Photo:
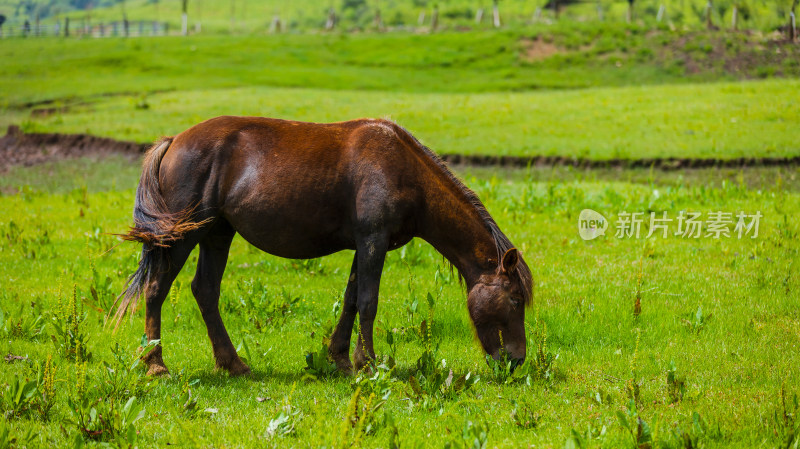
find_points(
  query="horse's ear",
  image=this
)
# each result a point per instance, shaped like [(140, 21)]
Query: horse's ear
[(510, 260)]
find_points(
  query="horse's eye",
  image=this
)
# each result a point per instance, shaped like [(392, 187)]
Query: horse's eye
[(515, 301)]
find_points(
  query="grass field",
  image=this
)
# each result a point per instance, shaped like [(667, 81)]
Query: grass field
[(475, 94), (712, 121), (712, 358), (659, 342)]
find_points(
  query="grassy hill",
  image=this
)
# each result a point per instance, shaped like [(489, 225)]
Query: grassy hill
[(567, 56), (573, 90)]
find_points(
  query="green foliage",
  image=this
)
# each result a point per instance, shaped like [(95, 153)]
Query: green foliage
[(473, 436), (262, 306), (537, 367), (379, 382), (697, 320), (27, 324), (185, 403), (698, 434), (124, 376), (786, 419), (319, 364), (362, 418), (432, 381), (24, 241), (436, 383), (36, 397), (101, 287), (13, 440), (525, 416), (284, 420), (18, 397), (676, 384), (639, 431), (68, 323), (105, 419)]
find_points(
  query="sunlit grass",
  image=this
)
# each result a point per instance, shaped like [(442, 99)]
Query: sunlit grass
[(734, 366)]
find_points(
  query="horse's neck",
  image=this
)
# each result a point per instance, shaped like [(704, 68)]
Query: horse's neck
[(456, 229)]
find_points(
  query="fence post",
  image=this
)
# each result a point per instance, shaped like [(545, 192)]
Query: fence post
[(331, 22), (66, 27), (275, 26)]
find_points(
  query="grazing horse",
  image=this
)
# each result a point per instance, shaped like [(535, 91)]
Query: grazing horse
[(306, 190)]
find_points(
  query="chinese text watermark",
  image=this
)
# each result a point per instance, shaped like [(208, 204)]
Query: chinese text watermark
[(715, 224)]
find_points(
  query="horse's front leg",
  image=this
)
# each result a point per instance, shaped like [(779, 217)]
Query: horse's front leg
[(371, 255), (339, 349)]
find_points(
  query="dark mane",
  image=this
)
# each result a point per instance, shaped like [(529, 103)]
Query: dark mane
[(503, 244)]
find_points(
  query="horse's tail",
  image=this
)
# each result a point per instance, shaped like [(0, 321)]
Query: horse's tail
[(155, 226)]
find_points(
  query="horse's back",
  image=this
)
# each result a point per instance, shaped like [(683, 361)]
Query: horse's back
[(293, 189)]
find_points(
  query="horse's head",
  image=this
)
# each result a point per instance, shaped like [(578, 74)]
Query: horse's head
[(497, 308)]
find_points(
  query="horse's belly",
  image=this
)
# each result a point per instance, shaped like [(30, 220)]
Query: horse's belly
[(293, 235)]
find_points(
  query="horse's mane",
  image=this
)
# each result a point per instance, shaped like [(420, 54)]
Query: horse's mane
[(502, 243)]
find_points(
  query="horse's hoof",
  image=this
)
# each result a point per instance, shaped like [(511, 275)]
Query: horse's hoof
[(344, 366), (237, 368), (362, 362), (157, 371)]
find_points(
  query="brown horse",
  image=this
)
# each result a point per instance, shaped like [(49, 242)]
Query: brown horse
[(306, 190)]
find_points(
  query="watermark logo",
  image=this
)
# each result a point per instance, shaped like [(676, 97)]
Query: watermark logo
[(687, 224), (591, 224)]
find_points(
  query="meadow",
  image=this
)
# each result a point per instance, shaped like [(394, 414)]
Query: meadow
[(475, 94), (691, 341), (660, 341)]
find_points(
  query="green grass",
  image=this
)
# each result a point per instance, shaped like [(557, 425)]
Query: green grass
[(590, 55), (733, 364), (471, 93), (754, 119)]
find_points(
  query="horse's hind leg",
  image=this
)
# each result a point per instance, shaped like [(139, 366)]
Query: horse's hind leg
[(170, 263), (340, 340), (206, 288)]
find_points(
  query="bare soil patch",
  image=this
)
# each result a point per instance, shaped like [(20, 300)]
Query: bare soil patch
[(538, 49), (26, 149)]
